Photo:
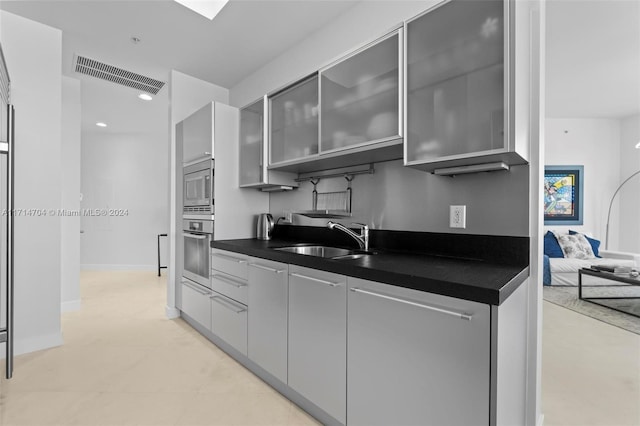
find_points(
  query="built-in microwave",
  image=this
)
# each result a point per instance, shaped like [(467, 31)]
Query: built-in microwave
[(198, 193)]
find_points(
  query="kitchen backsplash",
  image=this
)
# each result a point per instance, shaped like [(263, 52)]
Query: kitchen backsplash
[(399, 198)]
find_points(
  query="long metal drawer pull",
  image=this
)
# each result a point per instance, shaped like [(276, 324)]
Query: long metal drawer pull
[(196, 289), (194, 236), (227, 304), (266, 268), (229, 281), (409, 302), (227, 257), (318, 280)]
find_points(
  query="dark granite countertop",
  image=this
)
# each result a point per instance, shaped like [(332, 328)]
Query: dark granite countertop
[(488, 281)]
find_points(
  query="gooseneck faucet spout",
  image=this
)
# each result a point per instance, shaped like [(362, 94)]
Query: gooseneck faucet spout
[(362, 239)]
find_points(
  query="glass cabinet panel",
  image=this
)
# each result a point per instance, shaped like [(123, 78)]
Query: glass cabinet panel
[(294, 122), (252, 144), (360, 97), (455, 80)]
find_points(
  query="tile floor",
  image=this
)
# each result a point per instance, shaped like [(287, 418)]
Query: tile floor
[(124, 363), (590, 371)]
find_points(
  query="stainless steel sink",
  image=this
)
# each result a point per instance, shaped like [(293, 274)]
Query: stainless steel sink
[(335, 253), (318, 251)]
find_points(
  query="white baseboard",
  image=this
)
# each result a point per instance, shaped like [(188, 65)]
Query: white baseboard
[(32, 344), (105, 267), (171, 312), (71, 306)]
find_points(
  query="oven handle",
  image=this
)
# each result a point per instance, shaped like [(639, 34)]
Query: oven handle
[(195, 236)]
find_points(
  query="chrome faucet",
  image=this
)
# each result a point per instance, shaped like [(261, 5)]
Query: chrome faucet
[(362, 239)]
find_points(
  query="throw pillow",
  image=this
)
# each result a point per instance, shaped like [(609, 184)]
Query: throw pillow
[(575, 246), (595, 244), (551, 246)]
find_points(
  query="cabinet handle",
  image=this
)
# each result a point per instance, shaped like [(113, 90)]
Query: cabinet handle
[(227, 257), (227, 304), (409, 302), (196, 289), (266, 268), (195, 236), (229, 281), (318, 280)]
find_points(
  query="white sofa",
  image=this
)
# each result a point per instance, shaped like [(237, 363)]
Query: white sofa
[(565, 271)]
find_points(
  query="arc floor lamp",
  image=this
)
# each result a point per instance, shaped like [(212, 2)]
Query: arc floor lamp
[(606, 241)]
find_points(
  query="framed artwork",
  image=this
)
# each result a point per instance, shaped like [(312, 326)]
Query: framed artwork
[(563, 195)]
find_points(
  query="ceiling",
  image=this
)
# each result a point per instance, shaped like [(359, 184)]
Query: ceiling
[(244, 36), (593, 49)]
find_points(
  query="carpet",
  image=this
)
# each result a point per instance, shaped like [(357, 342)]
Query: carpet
[(567, 297)]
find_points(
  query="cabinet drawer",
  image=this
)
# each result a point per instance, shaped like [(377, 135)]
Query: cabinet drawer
[(229, 321), (230, 263), (195, 303), (230, 286)]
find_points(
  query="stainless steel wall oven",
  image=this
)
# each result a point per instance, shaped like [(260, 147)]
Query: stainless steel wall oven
[(197, 236)]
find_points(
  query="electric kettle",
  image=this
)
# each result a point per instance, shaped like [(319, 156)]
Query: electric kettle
[(264, 229)]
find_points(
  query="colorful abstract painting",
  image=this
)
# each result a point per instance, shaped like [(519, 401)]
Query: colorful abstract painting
[(563, 195)]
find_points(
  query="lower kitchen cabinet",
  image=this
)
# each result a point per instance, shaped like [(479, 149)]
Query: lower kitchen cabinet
[(195, 303), (416, 358), (229, 321), (318, 339), (267, 327)]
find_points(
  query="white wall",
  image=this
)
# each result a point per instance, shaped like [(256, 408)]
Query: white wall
[(186, 94), (70, 160), (33, 54), (595, 144), (129, 172), (629, 208)]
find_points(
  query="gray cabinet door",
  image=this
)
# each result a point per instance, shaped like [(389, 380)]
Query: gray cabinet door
[(229, 321), (267, 333), (195, 303), (317, 338), (416, 358), (197, 135)]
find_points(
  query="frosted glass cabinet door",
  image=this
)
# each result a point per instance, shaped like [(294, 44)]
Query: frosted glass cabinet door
[(360, 97), (293, 125), (251, 143), (455, 80)]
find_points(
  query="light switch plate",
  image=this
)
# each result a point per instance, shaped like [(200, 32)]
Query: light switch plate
[(457, 216)]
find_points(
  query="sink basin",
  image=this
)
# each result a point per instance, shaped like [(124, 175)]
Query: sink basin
[(335, 253), (319, 251)]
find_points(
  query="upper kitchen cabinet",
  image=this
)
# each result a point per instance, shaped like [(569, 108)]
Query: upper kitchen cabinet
[(459, 93), (293, 122), (360, 96), (253, 159), (359, 116), (197, 135)]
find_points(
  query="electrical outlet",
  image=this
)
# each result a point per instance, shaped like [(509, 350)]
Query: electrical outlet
[(457, 216)]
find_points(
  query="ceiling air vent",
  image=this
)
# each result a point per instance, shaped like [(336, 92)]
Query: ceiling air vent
[(117, 75)]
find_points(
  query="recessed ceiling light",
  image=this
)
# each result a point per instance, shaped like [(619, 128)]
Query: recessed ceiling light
[(638, 145), (208, 8), (145, 97), (101, 124)]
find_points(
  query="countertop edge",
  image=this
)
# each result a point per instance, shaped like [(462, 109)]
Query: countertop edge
[(429, 285)]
